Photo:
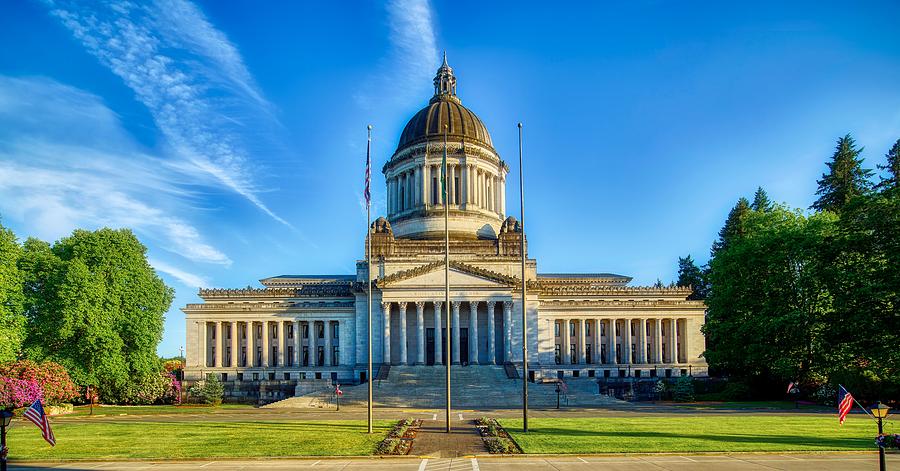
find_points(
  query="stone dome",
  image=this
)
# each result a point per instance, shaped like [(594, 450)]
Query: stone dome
[(444, 109)]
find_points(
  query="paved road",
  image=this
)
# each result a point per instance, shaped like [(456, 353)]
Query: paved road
[(735, 462)]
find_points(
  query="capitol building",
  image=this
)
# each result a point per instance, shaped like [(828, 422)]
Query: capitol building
[(302, 327)]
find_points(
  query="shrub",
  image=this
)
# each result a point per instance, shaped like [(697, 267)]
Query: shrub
[(151, 389), (208, 391), (684, 389), (16, 393), (54, 382)]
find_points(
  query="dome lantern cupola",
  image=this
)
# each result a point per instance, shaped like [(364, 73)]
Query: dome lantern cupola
[(444, 82)]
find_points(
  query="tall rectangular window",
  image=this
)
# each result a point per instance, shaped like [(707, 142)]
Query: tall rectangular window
[(572, 356), (305, 361), (306, 330), (556, 329), (556, 351), (571, 329), (587, 329), (334, 330), (435, 189), (455, 190)]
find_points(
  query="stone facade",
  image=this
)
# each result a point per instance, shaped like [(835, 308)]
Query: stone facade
[(299, 328)]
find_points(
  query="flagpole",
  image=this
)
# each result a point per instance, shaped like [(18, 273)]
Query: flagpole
[(446, 271), (524, 286), (369, 271), (857, 403)]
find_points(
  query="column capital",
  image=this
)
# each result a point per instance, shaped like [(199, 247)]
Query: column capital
[(507, 305), (386, 306), (402, 305), (438, 305), (455, 305), (491, 303), (473, 305), (420, 306)]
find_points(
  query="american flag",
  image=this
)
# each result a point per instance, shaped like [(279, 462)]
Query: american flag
[(845, 403), (368, 193), (36, 414)]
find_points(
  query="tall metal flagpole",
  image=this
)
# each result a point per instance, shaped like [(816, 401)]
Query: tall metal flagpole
[(369, 270), (524, 284), (446, 272)]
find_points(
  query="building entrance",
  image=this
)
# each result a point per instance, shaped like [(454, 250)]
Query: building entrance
[(429, 346)]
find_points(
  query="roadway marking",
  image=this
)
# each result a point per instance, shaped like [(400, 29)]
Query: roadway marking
[(317, 462), (474, 462), (423, 465), (433, 416), (582, 459), (207, 464), (460, 418)]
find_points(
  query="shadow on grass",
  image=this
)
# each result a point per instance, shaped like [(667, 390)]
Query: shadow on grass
[(650, 438)]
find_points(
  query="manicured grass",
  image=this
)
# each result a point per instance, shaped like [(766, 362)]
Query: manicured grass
[(107, 411), (707, 433), (743, 405), (195, 439)]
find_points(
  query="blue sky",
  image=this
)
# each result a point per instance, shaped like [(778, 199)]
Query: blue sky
[(230, 136)]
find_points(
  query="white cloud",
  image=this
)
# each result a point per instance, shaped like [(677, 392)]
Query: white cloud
[(188, 75), (188, 279), (66, 162), (406, 72)]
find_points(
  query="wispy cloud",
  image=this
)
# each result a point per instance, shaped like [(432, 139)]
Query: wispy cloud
[(412, 35), (409, 66), (187, 279), (188, 75), (66, 162)]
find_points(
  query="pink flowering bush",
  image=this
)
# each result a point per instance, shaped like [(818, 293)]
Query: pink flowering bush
[(51, 378), (16, 393)]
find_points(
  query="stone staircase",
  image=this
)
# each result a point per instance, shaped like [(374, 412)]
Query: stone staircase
[(472, 387)]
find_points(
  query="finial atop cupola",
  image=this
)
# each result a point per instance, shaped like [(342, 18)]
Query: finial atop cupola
[(444, 81)]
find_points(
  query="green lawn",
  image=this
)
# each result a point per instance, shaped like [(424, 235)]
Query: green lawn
[(718, 433), (155, 410), (195, 439)]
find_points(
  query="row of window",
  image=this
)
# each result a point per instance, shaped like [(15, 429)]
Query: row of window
[(587, 329), (622, 373), (319, 360), (588, 353), (271, 376), (289, 332)]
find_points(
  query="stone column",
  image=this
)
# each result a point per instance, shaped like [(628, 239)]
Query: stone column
[(298, 344), (217, 344), (507, 324), (404, 359), (564, 342), (685, 351), (451, 191), (438, 336), (642, 340), (420, 332), (626, 341), (386, 310), (265, 344), (251, 346), (676, 352), (202, 341), (426, 185), (454, 337), (657, 341), (597, 341), (326, 328), (417, 183), (611, 338), (473, 332), (492, 334), (313, 344), (582, 341), (503, 197), (280, 343), (235, 346)]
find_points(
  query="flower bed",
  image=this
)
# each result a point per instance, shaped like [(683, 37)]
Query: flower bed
[(399, 440), (888, 441), (496, 440)]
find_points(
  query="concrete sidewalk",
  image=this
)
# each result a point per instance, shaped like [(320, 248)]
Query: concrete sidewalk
[(725, 462)]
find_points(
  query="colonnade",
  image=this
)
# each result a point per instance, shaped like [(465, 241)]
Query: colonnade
[(294, 343), (623, 341), (414, 353), (469, 187)]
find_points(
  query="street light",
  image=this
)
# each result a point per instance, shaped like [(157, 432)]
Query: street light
[(880, 411), (5, 418)]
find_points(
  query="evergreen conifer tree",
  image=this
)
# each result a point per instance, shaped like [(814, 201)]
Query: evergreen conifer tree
[(689, 274), (733, 225), (892, 167), (845, 179), (761, 201)]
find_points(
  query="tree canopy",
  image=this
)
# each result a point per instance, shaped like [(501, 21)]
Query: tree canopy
[(12, 319), (96, 306), (689, 274)]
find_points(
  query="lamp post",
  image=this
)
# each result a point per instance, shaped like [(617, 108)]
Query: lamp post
[(5, 418), (880, 411)]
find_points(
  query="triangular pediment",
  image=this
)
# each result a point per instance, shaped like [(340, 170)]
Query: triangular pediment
[(432, 274)]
